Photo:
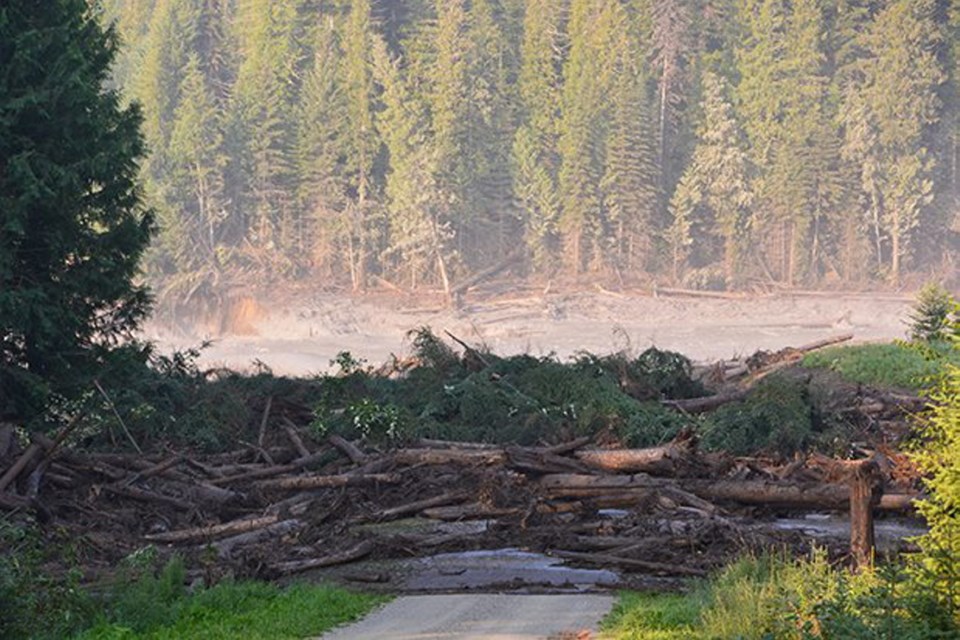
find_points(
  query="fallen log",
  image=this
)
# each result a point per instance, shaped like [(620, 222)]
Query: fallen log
[(467, 512), (708, 403), (605, 559), (26, 458), (214, 531), (349, 449), (295, 439), (226, 546), (419, 505), (449, 456), (297, 566), (764, 493), (668, 459), (148, 496), (322, 482), (267, 472)]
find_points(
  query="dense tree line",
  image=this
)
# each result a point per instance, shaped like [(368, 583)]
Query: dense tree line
[(709, 142)]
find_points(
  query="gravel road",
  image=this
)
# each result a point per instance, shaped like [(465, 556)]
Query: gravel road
[(481, 616)]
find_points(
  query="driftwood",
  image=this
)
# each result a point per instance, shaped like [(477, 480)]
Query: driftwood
[(468, 512), (348, 449), (618, 561), (276, 470), (319, 482), (226, 546), (297, 566), (664, 460), (214, 531), (419, 505), (295, 439), (449, 456)]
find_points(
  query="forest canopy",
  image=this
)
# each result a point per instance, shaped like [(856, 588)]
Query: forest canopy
[(711, 143)]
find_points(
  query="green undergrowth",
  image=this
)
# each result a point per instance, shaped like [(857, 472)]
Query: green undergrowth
[(473, 396), (776, 598), (900, 364), (150, 600)]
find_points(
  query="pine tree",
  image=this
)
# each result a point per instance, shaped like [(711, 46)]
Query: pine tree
[(74, 227), (630, 183), (887, 112), (581, 132), (535, 159), (195, 208), (321, 133), (417, 234), (257, 137), (718, 177), (491, 117), (363, 139), (672, 47)]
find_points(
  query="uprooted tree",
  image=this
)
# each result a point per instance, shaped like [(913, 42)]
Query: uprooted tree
[(72, 225)]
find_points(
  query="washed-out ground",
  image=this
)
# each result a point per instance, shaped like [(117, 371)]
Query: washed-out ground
[(300, 334)]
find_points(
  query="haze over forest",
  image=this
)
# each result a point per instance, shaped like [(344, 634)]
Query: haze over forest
[(708, 143)]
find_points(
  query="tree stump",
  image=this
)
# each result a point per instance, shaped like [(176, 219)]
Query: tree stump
[(865, 493)]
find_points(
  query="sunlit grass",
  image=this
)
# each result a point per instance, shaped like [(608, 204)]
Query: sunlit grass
[(652, 616), (248, 610), (896, 364)]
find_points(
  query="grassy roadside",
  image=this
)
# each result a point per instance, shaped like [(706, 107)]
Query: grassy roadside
[(777, 598), (249, 610)]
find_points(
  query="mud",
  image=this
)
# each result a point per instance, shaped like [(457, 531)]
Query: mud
[(300, 335)]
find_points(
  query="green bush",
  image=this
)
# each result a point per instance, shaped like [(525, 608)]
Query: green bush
[(35, 602), (935, 315), (776, 416), (938, 455)]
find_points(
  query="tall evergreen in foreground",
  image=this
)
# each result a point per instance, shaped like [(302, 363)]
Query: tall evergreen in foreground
[(72, 228)]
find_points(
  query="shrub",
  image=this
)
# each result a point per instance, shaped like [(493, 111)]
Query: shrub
[(776, 416), (938, 456), (935, 314)]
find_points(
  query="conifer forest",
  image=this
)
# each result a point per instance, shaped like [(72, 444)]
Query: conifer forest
[(706, 143)]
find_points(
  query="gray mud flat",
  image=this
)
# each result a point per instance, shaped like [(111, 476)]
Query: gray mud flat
[(476, 616)]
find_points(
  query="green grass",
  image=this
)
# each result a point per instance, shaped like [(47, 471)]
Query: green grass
[(652, 616), (249, 610), (897, 364)]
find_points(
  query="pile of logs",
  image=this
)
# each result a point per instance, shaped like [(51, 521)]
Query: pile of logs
[(303, 503)]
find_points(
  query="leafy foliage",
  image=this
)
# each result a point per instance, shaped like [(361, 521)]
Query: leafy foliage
[(939, 457)]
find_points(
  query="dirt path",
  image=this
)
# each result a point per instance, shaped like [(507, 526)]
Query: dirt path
[(488, 616)]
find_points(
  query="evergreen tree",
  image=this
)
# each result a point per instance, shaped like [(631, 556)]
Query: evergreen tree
[(72, 227), (363, 140), (535, 160), (718, 177), (887, 112), (257, 137), (672, 47), (630, 183), (581, 132), (195, 208)]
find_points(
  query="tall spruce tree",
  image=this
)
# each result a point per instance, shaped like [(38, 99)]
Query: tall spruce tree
[(718, 179), (535, 159), (888, 109), (72, 227)]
